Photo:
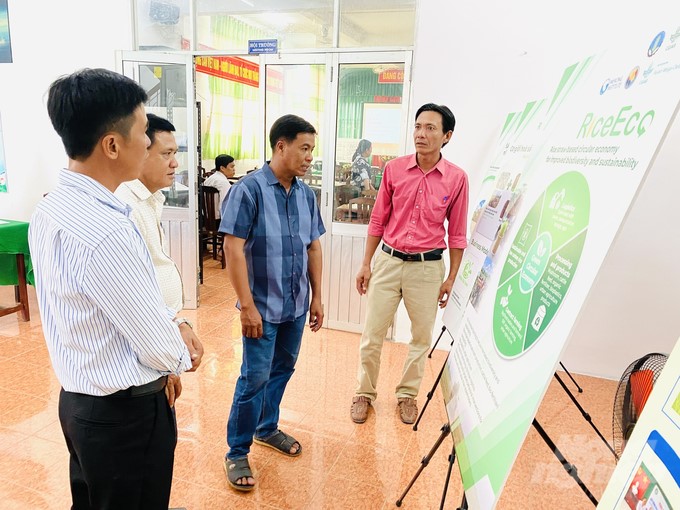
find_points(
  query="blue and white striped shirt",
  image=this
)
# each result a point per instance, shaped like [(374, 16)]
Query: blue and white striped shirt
[(103, 315), (278, 228)]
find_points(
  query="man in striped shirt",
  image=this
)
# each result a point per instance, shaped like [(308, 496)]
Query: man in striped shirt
[(272, 227), (111, 339), (418, 194)]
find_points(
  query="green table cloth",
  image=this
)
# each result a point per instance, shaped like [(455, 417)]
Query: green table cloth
[(13, 240)]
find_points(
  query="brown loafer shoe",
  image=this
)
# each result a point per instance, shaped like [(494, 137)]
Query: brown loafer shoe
[(359, 411), (408, 410)]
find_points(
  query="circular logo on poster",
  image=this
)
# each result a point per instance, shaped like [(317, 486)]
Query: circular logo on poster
[(656, 43), (632, 76)]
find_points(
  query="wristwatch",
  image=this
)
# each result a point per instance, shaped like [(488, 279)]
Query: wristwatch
[(181, 320)]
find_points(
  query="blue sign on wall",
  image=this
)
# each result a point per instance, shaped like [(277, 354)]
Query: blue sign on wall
[(257, 46)]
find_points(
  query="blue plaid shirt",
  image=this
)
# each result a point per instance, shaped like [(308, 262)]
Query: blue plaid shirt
[(278, 228)]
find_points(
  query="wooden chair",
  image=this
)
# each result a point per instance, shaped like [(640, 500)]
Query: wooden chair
[(343, 195), (209, 224), (370, 193), (360, 209)]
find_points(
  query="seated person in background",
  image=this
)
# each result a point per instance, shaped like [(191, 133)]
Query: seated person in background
[(224, 168), (361, 168)]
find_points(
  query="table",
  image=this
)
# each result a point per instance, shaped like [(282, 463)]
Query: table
[(15, 264)]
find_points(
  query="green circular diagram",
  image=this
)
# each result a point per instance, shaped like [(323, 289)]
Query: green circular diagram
[(541, 264)]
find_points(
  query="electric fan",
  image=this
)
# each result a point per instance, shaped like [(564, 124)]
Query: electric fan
[(631, 396)]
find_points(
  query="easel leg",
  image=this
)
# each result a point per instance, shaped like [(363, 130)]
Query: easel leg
[(463, 504), (446, 430), (585, 415), (435, 344), (580, 390), (452, 459), (430, 393), (569, 468)]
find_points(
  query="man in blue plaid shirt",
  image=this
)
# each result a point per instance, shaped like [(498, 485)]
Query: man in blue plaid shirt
[(272, 227)]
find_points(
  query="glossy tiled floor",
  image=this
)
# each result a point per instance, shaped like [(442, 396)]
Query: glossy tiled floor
[(343, 465)]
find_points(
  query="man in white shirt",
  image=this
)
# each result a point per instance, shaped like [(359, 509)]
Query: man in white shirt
[(224, 168), (145, 197)]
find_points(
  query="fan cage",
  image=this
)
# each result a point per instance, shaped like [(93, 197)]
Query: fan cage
[(631, 395)]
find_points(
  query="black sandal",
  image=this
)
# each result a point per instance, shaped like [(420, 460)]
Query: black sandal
[(281, 442), (237, 469)]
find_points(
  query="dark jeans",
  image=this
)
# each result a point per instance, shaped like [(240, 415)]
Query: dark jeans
[(122, 450), (267, 366)]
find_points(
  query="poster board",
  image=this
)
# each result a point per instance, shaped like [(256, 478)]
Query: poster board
[(560, 183)]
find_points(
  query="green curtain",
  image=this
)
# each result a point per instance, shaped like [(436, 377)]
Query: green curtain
[(234, 106)]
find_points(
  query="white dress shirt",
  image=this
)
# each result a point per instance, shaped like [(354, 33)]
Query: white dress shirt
[(146, 215), (218, 180), (103, 315)]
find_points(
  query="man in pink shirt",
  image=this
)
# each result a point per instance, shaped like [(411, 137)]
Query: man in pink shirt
[(418, 193)]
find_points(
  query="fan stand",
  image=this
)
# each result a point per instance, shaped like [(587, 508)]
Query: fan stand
[(446, 430)]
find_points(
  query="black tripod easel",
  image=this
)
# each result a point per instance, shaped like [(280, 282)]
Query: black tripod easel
[(446, 429), (430, 393), (583, 412)]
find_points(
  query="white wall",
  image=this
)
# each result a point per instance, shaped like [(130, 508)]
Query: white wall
[(49, 39), (485, 59)]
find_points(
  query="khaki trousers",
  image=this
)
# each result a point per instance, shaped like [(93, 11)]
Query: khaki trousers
[(392, 280)]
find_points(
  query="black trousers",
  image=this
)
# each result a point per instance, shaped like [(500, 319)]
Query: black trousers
[(122, 450)]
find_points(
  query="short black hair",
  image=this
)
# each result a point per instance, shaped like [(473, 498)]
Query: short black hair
[(448, 120), (157, 124), (222, 160), (288, 127), (83, 106)]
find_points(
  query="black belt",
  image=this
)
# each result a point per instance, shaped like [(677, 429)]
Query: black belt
[(144, 389), (414, 257)]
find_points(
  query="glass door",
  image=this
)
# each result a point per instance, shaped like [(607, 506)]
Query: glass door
[(168, 79), (298, 84), (370, 127)]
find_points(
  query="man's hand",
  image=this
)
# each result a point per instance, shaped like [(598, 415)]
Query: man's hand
[(445, 292), (173, 389), (193, 344), (315, 315), (251, 322), (363, 276)]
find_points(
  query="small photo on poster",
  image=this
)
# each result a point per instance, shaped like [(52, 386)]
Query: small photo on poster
[(655, 479), (644, 492)]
